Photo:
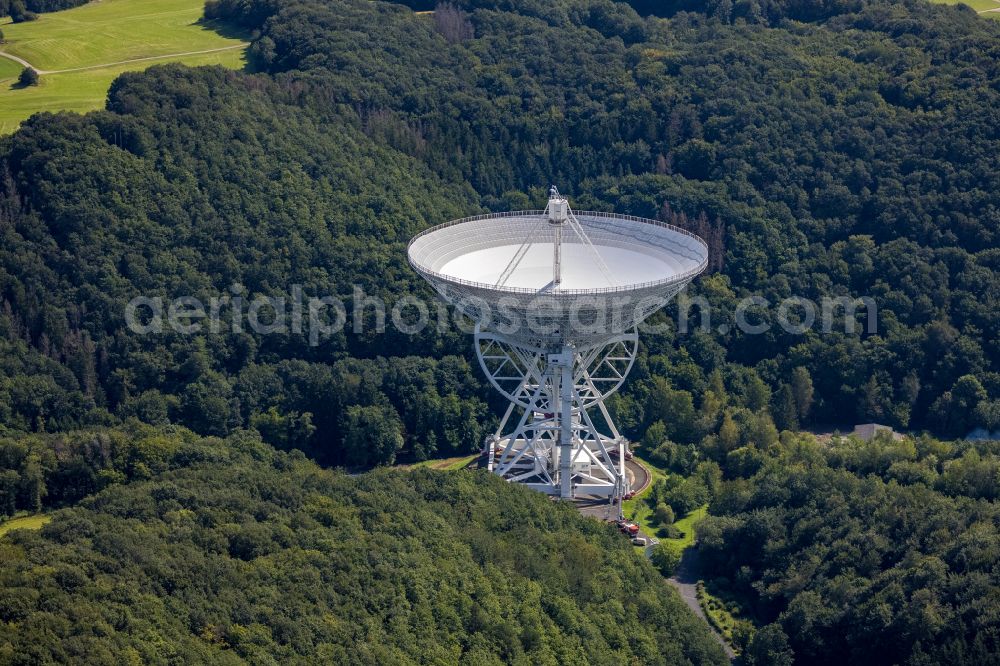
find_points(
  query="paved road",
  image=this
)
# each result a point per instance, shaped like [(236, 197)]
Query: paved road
[(686, 579), (685, 582), (638, 478)]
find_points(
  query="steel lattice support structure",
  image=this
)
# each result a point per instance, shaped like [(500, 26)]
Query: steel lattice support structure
[(555, 393)]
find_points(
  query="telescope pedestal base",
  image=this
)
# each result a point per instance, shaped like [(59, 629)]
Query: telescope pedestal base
[(555, 396)]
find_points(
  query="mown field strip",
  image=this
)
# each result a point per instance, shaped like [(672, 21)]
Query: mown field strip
[(85, 90), (113, 31), (80, 51)]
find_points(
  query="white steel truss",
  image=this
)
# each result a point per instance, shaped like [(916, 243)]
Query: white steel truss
[(556, 220), (555, 446)]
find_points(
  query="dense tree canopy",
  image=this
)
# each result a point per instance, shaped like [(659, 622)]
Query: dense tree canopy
[(852, 155), (341, 191), (864, 553), (824, 149), (237, 553), (17, 9)]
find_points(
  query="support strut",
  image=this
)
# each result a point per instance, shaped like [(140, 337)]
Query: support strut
[(548, 438)]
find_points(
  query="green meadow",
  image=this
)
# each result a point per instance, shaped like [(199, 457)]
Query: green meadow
[(8, 69), (80, 51), (987, 8), (27, 522)]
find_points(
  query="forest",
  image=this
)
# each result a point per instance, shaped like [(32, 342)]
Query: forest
[(844, 551), (27, 10), (834, 149), (851, 157), (236, 553)]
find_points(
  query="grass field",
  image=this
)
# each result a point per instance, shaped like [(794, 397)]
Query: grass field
[(32, 522), (82, 91), (636, 508), (981, 6), (111, 31), (8, 69), (99, 36), (446, 464), (686, 527)]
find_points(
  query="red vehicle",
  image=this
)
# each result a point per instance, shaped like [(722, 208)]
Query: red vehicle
[(628, 527)]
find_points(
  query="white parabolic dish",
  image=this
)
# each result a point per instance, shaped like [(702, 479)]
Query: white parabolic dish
[(498, 270)]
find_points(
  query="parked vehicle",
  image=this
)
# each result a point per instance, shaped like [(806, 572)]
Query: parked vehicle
[(627, 527)]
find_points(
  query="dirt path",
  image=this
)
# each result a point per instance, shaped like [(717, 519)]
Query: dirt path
[(25, 63), (20, 61)]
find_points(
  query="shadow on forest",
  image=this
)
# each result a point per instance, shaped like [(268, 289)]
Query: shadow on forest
[(227, 30)]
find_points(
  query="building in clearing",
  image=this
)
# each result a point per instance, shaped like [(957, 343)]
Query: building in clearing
[(866, 431)]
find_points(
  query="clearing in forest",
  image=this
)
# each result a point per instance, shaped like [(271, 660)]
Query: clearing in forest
[(99, 41)]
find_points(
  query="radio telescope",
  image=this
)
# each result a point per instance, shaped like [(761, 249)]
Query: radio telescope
[(556, 296)]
